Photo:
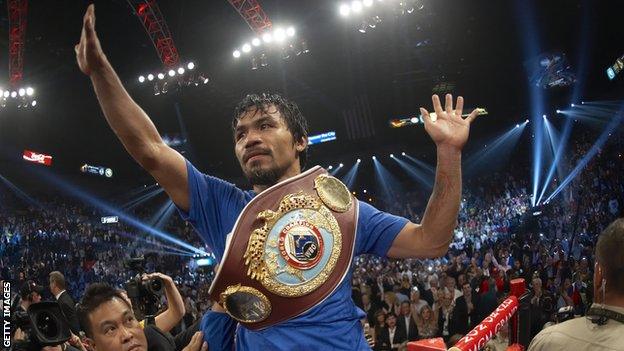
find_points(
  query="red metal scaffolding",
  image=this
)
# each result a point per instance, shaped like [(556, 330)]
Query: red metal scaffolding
[(17, 34), (156, 27), (253, 14)]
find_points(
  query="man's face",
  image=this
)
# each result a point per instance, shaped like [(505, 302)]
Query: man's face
[(466, 289), (391, 321), (405, 309), (114, 328), (265, 147), (36, 298)]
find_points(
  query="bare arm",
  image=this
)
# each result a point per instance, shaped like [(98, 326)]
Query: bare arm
[(432, 236), (129, 122)]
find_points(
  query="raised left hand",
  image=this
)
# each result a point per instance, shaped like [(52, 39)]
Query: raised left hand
[(448, 128)]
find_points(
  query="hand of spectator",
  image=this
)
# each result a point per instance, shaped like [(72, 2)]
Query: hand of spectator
[(76, 342), (197, 343)]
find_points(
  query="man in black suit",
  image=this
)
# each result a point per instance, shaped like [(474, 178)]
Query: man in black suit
[(57, 287), (465, 311), (407, 322), (392, 337)]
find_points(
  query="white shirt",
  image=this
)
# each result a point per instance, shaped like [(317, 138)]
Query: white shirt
[(391, 332), (407, 324), (58, 295)]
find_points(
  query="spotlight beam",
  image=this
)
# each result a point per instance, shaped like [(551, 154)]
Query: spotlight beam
[(157, 243), (20, 192), (501, 145), (424, 179), (567, 129), (141, 199), (98, 203), (420, 163), (602, 139), (386, 181), (349, 178)]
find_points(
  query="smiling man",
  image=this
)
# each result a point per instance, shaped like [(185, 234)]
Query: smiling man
[(288, 287)]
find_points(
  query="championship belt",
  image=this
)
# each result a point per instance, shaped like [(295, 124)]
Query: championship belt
[(290, 248)]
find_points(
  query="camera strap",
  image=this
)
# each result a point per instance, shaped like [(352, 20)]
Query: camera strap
[(600, 315)]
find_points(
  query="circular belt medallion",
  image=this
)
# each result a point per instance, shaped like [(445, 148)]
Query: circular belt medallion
[(296, 249), (333, 193), (245, 304), (301, 244)]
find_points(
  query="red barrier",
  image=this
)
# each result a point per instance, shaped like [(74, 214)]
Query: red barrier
[(479, 336)]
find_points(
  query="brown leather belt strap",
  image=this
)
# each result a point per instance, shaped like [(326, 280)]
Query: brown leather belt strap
[(256, 279)]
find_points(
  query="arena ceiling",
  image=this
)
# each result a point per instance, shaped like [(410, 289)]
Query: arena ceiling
[(476, 46)]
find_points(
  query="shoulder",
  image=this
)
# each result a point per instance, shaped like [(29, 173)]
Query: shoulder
[(559, 336)]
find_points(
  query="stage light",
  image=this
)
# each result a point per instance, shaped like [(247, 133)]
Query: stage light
[(171, 73), (358, 160), (374, 158), (246, 47), (414, 120), (391, 155), (526, 121), (517, 126), (572, 105), (330, 167), (150, 77), (368, 3), (161, 76), (543, 116), (363, 27), (22, 92), (345, 10), (364, 191), (356, 6), (190, 65), (267, 38), (181, 70), (402, 153), (255, 42), (6, 93), (558, 111), (290, 31), (340, 165), (141, 79), (34, 103), (236, 54), (30, 91), (14, 94), (279, 34)]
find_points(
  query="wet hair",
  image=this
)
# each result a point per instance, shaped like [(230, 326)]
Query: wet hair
[(95, 295), (296, 123), (609, 255)]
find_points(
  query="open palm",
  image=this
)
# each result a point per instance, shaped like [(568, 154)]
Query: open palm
[(448, 127)]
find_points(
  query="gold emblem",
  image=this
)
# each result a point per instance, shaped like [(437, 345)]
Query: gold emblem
[(245, 304), (333, 193), (278, 261)]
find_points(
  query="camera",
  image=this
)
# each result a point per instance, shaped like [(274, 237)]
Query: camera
[(144, 294), (43, 325), (564, 314)]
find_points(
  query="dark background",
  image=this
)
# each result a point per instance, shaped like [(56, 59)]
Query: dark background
[(479, 46)]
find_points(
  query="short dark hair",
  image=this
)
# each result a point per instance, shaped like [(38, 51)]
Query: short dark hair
[(58, 278), (95, 295), (295, 121), (609, 255)]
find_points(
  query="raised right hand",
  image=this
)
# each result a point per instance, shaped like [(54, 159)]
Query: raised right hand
[(89, 53)]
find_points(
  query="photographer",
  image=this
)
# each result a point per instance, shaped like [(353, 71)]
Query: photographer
[(109, 324), (168, 319), (603, 327)]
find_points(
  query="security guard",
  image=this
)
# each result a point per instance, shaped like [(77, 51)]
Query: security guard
[(603, 327)]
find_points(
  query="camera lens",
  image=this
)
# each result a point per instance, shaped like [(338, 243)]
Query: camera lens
[(154, 286), (46, 324)]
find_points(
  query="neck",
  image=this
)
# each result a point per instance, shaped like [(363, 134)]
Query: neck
[(290, 172)]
